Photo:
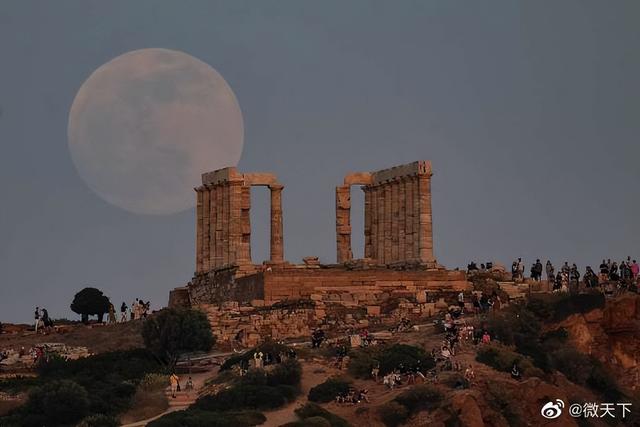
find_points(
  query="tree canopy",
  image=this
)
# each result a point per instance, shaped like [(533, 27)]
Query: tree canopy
[(90, 301), (174, 331)]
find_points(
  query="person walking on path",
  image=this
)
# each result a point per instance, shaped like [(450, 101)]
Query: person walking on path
[(173, 381)]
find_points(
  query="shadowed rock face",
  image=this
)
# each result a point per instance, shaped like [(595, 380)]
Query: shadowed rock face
[(612, 335)]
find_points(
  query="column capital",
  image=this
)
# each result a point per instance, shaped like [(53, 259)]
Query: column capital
[(275, 187)]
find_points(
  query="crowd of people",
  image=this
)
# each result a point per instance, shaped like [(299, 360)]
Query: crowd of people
[(611, 277)]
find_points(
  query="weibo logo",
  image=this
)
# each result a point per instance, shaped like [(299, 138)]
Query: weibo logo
[(552, 410)]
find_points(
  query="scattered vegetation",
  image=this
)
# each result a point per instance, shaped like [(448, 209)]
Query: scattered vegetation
[(68, 391), (419, 398)]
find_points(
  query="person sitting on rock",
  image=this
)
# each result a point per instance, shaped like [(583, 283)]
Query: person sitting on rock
[(486, 338), (469, 375)]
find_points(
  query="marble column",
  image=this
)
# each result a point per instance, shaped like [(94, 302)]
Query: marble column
[(218, 258), (416, 218), (368, 222), (198, 230), (225, 224), (408, 220), (343, 223), (387, 223), (426, 236), (380, 234), (394, 221), (373, 206), (246, 224), (212, 227), (206, 224), (235, 221), (277, 250)]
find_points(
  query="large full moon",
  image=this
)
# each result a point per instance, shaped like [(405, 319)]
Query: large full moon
[(146, 124)]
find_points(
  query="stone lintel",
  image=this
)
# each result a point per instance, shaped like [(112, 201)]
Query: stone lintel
[(421, 167)]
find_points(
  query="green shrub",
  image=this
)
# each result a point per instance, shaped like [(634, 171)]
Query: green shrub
[(420, 397), (60, 402), (328, 390), (99, 420), (389, 358), (393, 414), (258, 389), (198, 418), (242, 397), (361, 362), (501, 358), (289, 372), (174, 331), (312, 410)]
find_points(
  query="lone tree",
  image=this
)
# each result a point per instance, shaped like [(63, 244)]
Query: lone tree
[(88, 302), (173, 331)]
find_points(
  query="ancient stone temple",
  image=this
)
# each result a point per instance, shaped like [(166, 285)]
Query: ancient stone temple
[(398, 277)]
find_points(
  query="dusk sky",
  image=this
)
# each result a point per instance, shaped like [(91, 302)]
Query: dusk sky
[(529, 112)]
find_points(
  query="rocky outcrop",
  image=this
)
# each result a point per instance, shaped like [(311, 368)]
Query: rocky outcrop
[(612, 335)]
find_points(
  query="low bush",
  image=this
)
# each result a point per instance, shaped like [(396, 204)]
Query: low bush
[(393, 414), (328, 390), (419, 398), (389, 359), (198, 418), (99, 420), (312, 410), (240, 397), (502, 358), (60, 402), (259, 389)]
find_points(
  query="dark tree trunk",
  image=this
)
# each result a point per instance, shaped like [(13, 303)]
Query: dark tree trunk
[(85, 318)]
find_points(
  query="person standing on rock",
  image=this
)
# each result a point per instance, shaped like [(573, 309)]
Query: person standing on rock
[(123, 312), (112, 314), (635, 270), (37, 318), (550, 272)]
